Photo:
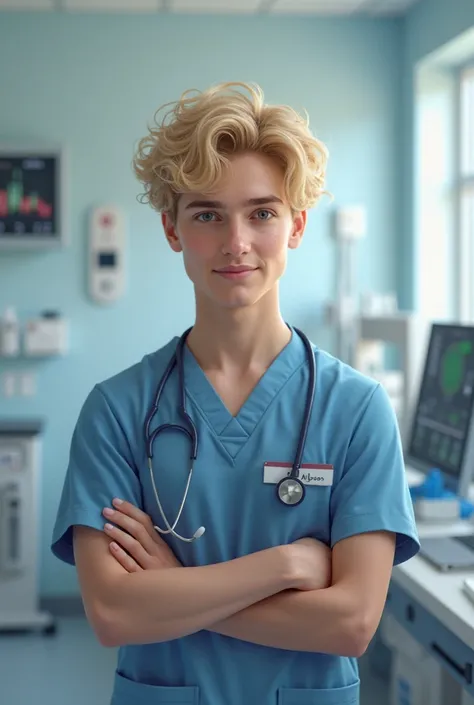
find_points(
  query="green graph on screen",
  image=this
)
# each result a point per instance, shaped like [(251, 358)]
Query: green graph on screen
[(452, 366)]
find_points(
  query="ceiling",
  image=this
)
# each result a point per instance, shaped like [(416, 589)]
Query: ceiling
[(380, 8)]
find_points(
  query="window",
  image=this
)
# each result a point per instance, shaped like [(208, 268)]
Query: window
[(466, 194), (444, 185), (467, 123), (436, 238)]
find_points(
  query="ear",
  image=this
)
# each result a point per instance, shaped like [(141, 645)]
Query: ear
[(169, 227), (299, 224)]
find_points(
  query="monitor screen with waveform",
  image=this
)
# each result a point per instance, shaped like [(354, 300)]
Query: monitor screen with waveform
[(443, 416), (28, 193)]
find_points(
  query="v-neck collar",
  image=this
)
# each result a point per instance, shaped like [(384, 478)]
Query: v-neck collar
[(226, 426)]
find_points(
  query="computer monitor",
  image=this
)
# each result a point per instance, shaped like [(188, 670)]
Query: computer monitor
[(442, 431), (32, 197)]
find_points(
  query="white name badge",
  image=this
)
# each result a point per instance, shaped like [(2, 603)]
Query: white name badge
[(317, 475)]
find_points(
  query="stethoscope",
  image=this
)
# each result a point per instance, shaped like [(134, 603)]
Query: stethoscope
[(290, 490)]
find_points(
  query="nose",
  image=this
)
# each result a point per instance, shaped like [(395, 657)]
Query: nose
[(236, 239)]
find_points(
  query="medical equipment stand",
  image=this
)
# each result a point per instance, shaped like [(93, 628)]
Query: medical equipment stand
[(349, 228), (19, 528), (409, 333)]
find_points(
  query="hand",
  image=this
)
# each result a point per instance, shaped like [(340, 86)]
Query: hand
[(138, 546), (312, 564)]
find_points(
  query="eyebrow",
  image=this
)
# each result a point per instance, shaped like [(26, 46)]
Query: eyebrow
[(251, 202)]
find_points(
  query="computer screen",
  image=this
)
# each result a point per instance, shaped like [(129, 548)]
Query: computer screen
[(442, 419), (30, 196)]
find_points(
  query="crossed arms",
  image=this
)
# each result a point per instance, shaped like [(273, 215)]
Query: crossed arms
[(300, 597)]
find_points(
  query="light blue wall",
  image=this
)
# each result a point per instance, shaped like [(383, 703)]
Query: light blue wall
[(429, 25), (92, 83)]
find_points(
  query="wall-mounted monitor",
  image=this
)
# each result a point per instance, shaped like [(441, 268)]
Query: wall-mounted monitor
[(32, 197)]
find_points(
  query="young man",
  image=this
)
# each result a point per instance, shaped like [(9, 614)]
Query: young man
[(284, 589)]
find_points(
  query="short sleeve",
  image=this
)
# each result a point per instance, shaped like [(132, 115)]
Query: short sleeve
[(100, 468), (372, 494)]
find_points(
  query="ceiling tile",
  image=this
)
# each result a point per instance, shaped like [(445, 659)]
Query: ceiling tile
[(311, 7), (226, 6), (317, 7), (27, 5), (112, 5)]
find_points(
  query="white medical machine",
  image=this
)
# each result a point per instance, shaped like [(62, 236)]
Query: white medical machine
[(20, 455), (363, 329), (408, 334), (107, 248)]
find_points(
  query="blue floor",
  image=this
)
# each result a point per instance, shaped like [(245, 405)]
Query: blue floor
[(71, 668)]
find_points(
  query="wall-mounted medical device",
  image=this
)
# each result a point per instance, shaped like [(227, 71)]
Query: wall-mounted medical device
[(46, 334), (107, 243), (32, 197)]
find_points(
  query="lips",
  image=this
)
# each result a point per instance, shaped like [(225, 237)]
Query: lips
[(235, 270)]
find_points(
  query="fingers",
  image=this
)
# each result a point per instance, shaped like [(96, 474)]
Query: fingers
[(134, 512), (126, 561), (133, 548), (135, 527)]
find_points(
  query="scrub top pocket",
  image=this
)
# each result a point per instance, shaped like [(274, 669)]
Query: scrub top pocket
[(309, 696), (128, 692)]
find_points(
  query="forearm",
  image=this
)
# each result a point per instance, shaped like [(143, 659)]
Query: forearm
[(160, 605), (324, 621)]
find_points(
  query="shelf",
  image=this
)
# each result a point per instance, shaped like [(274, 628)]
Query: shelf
[(29, 358)]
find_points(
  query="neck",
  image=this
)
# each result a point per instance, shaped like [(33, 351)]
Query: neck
[(238, 340)]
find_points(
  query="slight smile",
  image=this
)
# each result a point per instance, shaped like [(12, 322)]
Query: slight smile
[(235, 273)]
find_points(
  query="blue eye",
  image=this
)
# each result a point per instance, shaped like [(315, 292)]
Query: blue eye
[(267, 215), (203, 217)]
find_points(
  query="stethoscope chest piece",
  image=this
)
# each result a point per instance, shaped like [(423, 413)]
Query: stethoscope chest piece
[(290, 491)]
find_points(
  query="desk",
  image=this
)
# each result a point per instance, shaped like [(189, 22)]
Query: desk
[(433, 608)]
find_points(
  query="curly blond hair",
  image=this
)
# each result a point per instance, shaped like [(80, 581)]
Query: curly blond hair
[(188, 149)]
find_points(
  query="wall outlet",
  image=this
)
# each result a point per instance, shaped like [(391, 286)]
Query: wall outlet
[(9, 384)]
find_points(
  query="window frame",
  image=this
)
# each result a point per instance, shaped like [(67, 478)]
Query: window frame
[(464, 187)]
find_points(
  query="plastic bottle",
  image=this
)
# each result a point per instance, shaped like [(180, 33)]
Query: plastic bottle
[(10, 333)]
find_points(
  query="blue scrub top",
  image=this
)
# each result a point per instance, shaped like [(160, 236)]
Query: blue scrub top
[(352, 427)]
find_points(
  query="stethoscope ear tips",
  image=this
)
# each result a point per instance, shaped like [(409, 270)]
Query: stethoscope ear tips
[(199, 532)]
